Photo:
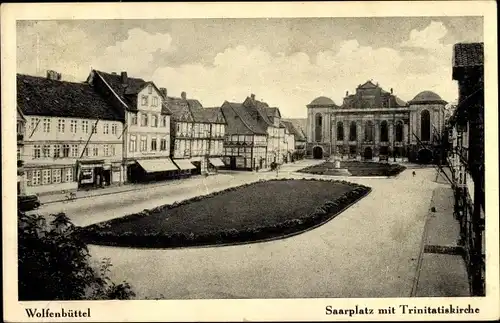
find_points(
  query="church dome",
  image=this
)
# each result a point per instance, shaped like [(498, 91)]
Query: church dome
[(322, 100), (427, 97)]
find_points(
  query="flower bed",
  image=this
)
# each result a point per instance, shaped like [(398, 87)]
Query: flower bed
[(357, 168), (251, 212)]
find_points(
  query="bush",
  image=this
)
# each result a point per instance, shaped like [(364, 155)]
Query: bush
[(54, 263)]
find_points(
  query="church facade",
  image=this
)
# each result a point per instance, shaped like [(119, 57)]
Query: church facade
[(374, 124)]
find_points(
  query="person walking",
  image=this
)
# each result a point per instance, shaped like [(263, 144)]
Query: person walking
[(413, 173)]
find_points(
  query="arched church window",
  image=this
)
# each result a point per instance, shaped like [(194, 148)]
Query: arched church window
[(318, 121), (425, 126), (369, 131), (384, 132), (399, 131), (340, 131), (353, 133)]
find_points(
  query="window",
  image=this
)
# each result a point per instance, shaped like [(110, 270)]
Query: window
[(65, 150), (60, 125), (113, 150), (74, 150), (85, 126), (384, 132), (56, 175), (34, 123), (46, 125), (105, 129), (425, 126), (72, 126), (36, 151), (144, 120), (150, 89), (154, 120), (353, 133), (133, 144), (163, 144), (106, 150), (153, 144), (113, 129), (155, 101), (86, 152), (163, 121), (133, 120), (178, 127), (18, 153), (369, 131), (68, 174), (36, 178), (94, 128), (144, 100), (57, 151), (318, 129), (144, 143), (95, 151), (399, 131), (46, 176)]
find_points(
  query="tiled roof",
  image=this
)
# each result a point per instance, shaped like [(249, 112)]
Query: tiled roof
[(211, 113), (257, 108), (468, 54), (239, 121), (127, 94), (294, 131), (300, 125), (175, 106), (45, 97)]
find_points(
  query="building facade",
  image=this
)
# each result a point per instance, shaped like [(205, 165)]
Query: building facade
[(373, 124), (146, 132), (72, 136), (197, 135), (21, 175), (466, 158)]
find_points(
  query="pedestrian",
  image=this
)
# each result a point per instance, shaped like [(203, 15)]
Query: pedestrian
[(413, 173)]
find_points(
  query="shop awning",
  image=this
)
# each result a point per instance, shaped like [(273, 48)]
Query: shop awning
[(184, 164), (217, 162), (157, 165)]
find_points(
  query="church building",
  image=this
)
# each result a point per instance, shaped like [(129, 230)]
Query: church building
[(374, 124)]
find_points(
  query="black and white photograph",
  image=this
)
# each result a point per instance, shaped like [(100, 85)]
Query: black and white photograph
[(328, 158)]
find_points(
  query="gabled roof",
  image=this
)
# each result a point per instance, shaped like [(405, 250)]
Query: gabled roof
[(468, 54), (239, 121), (211, 114), (294, 131), (299, 125), (45, 97), (258, 108), (367, 85), (127, 92)]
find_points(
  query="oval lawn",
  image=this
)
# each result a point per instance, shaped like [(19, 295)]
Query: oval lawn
[(252, 212)]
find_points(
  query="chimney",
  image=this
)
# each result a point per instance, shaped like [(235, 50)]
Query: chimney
[(252, 96), (53, 75), (346, 93), (183, 95), (163, 92), (124, 78), (391, 90)]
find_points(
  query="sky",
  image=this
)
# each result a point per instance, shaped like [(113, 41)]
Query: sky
[(285, 62)]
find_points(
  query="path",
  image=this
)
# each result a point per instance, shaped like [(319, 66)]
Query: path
[(370, 250)]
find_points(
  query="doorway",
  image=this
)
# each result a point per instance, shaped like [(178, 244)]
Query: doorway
[(317, 152), (424, 156), (368, 155)]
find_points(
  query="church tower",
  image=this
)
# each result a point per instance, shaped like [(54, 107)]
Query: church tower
[(319, 128)]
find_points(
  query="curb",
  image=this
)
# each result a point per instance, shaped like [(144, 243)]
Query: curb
[(111, 193), (235, 244)]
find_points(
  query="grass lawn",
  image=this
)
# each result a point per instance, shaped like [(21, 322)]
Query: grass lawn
[(357, 168), (251, 208)]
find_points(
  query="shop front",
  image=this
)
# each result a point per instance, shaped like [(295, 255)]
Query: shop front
[(151, 170), (93, 174), (185, 167), (214, 163)]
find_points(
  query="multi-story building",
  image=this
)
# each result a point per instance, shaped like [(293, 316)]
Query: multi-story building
[(72, 137), (374, 124), (21, 176), (246, 139), (467, 157), (297, 126), (270, 117), (146, 132), (197, 135), (290, 134)]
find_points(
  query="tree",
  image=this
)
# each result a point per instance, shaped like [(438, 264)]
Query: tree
[(54, 263)]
